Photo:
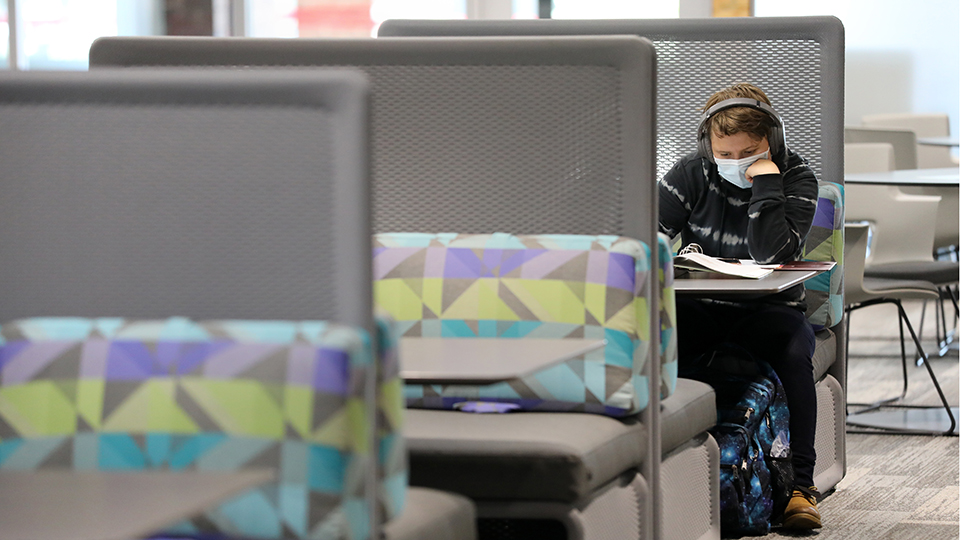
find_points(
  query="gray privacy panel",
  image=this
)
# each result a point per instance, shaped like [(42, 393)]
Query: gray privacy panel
[(481, 149), (518, 135), (202, 197), (789, 71), (798, 61)]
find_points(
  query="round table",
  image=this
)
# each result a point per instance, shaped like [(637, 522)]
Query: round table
[(939, 141)]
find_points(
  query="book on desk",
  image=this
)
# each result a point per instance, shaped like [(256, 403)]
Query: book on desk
[(734, 268)]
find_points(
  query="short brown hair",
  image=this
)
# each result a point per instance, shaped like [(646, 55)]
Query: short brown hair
[(739, 119)]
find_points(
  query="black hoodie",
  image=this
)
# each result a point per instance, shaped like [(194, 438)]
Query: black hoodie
[(767, 223)]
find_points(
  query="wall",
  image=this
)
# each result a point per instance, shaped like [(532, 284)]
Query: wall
[(902, 56)]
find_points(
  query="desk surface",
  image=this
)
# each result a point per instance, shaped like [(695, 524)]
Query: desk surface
[(908, 177), (71, 505), (484, 360), (939, 141), (713, 285)]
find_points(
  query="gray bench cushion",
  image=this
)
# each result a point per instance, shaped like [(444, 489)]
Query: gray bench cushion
[(520, 456), (543, 456), (825, 354), (434, 515), (688, 412)]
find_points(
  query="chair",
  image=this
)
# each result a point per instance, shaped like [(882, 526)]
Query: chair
[(902, 243), (171, 274), (878, 157), (923, 125), (500, 135), (904, 142), (812, 106), (867, 157), (946, 235), (862, 292)]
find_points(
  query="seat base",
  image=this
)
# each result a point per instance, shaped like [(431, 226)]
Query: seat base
[(618, 510), (691, 505), (830, 442), (430, 514), (559, 457), (690, 481)]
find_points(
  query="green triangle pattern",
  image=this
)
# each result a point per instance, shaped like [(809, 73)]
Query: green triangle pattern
[(157, 394), (515, 286)]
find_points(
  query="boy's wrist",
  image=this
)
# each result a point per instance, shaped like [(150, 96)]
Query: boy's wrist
[(761, 167)]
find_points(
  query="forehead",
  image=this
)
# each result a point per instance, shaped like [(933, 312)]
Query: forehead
[(734, 143)]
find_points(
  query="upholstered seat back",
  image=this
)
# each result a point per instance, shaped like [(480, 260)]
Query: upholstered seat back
[(203, 195), (824, 293), (668, 319), (535, 286), (177, 395)]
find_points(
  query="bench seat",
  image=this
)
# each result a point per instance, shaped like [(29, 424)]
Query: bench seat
[(560, 457)]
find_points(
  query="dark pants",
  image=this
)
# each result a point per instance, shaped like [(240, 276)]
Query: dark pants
[(779, 335)]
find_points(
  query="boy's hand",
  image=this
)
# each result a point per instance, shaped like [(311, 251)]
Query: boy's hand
[(761, 167)]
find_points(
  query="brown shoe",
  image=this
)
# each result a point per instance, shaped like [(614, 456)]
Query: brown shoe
[(801, 511)]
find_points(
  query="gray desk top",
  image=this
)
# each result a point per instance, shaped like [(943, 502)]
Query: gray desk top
[(71, 505), (908, 177), (713, 285), (484, 360)]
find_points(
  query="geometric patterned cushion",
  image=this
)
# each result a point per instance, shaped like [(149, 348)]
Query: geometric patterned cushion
[(525, 286), (824, 242), (392, 465), (668, 318), (115, 395)]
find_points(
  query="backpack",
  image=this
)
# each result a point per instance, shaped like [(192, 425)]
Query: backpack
[(753, 433)]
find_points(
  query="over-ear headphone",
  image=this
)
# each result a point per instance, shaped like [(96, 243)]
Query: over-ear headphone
[(778, 146)]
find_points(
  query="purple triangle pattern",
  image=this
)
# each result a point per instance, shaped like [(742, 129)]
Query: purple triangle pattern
[(621, 272), (8, 352), (462, 263), (491, 262), (516, 259)]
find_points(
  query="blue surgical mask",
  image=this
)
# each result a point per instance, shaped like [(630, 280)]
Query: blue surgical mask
[(735, 170)]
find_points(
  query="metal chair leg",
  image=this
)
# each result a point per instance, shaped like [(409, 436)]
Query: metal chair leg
[(903, 356), (903, 319)]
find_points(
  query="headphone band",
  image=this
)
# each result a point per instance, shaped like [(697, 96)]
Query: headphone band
[(776, 138), (742, 102)]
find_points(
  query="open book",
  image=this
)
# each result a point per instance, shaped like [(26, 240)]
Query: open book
[(706, 263)]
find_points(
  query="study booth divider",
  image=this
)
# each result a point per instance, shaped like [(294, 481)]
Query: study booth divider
[(170, 301), (799, 62), (510, 136)]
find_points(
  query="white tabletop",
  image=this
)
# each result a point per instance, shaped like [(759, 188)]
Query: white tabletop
[(484, 360), (70, 505), (908, 177), (939, 141), (714, 285)]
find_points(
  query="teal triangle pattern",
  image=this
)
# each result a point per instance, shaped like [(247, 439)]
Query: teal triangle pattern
[(172, 401)]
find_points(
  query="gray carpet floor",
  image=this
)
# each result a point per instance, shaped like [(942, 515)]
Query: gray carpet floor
[(896, 486)]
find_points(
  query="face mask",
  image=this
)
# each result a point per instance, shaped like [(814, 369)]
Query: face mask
[(735, 170)]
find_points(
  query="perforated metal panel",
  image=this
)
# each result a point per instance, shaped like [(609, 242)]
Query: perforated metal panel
[(689, 511), (798, 61), (479, 135), (181, 200), (788, 70), (829, 443), (482, 149), (617, 512)]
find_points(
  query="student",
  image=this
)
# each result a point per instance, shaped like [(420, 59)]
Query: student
[(745, 195)]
